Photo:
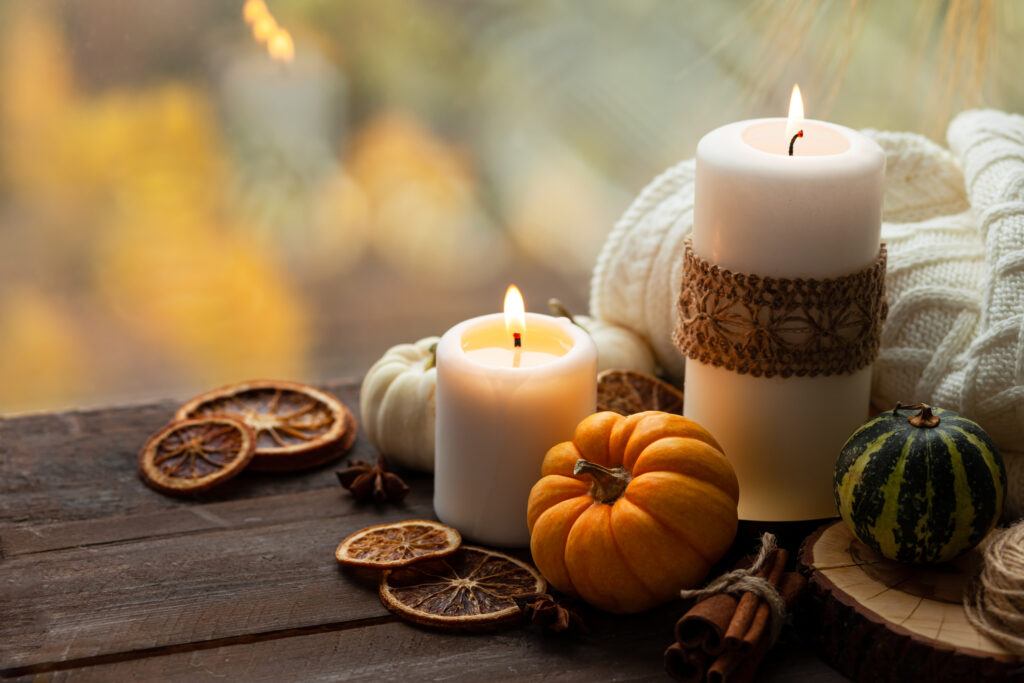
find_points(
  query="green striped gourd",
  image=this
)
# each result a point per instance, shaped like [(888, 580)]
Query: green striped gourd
[(920, 484)]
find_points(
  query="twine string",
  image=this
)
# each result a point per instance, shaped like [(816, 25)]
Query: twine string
[(772, 326), (739, 581), (994, 599)]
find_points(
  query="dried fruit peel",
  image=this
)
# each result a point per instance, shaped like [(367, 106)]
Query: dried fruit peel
[(473, 588), (297, 426), (193, 455), (397, 544), (627, 392)]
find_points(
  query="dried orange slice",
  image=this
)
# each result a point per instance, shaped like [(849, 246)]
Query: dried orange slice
[(191, 456), (386, 546), (471, 588), (627, 392), (296, 426)]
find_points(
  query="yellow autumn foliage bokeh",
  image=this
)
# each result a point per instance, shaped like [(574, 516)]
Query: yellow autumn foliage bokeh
[(142, 174), (426, 216), (39, 358)]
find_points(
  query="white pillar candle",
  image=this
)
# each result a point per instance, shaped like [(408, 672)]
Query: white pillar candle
[(816, 214), (499, 409)]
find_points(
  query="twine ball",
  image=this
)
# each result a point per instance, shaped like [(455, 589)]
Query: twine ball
[(994, 602)]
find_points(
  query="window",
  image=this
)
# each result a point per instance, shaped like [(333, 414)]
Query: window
[(182, 205)]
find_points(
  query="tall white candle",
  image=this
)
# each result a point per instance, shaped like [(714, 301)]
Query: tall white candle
[(499, 409), (816, 214)]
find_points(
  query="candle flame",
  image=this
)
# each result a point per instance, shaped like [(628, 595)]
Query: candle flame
[(515, 312), (281, 47), (265, 30), (795, 120)]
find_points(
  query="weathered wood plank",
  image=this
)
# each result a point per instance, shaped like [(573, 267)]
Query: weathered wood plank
[(396, 651), (623, 649), (190, 586), (80, 465), (247, 513)]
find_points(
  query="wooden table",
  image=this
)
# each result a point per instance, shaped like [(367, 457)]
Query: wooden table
[(102, 579)]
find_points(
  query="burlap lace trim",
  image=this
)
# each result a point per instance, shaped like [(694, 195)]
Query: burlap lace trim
[(769, 327)]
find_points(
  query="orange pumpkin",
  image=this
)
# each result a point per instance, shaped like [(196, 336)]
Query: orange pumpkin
[(632, 510)]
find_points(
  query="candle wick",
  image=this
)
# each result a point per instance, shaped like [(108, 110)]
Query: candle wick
[(517, 353), (799, 134)]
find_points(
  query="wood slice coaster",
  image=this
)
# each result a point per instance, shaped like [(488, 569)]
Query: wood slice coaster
[(874, 619)]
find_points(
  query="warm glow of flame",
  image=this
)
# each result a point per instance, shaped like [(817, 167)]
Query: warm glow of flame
[(795, 120), (281, 46), (253, 10), (515, 312), (265, 29)]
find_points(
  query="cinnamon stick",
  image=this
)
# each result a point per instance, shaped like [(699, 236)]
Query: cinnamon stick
[(753, 613), (722, 638), (739, 665), (703, 626), (686, 664), (747, 607)]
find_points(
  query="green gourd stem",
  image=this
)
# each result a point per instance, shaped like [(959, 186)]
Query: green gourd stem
[(608, 483), (925, 419), (433, 357)]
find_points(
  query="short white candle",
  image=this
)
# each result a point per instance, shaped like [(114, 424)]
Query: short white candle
[(499, 409), (816, 214)]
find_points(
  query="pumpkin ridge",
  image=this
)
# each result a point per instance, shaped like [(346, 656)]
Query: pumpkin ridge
[(690, 479), (942, 512), (592, 556), (923, 529), (850, 476), (682, 558), (984, 491), (654, 426), (625, 560), (996, 467), (878, 428), (962, 491), (886, 524), (918, 512), (706, 471), (568, 525), (563, 490), (673, 532), (867, 500)]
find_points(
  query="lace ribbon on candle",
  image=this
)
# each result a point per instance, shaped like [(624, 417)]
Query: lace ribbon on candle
[(778, 327)]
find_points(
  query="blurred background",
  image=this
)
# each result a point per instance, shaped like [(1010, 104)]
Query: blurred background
[(194, 192)]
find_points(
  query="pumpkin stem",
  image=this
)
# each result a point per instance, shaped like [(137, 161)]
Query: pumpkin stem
[(608, 483), (559, 310), (925, 419), (433, 357)]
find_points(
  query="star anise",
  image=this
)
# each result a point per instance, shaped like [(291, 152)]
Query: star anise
[(373, 482), (544, 611)]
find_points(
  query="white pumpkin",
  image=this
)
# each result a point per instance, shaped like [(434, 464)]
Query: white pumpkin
[(397, 404), (618, 348)]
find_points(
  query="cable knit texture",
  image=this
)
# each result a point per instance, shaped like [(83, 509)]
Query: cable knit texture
[(954, 226)]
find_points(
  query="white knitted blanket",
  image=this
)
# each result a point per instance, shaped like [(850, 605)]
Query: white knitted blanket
[(954, 225)]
